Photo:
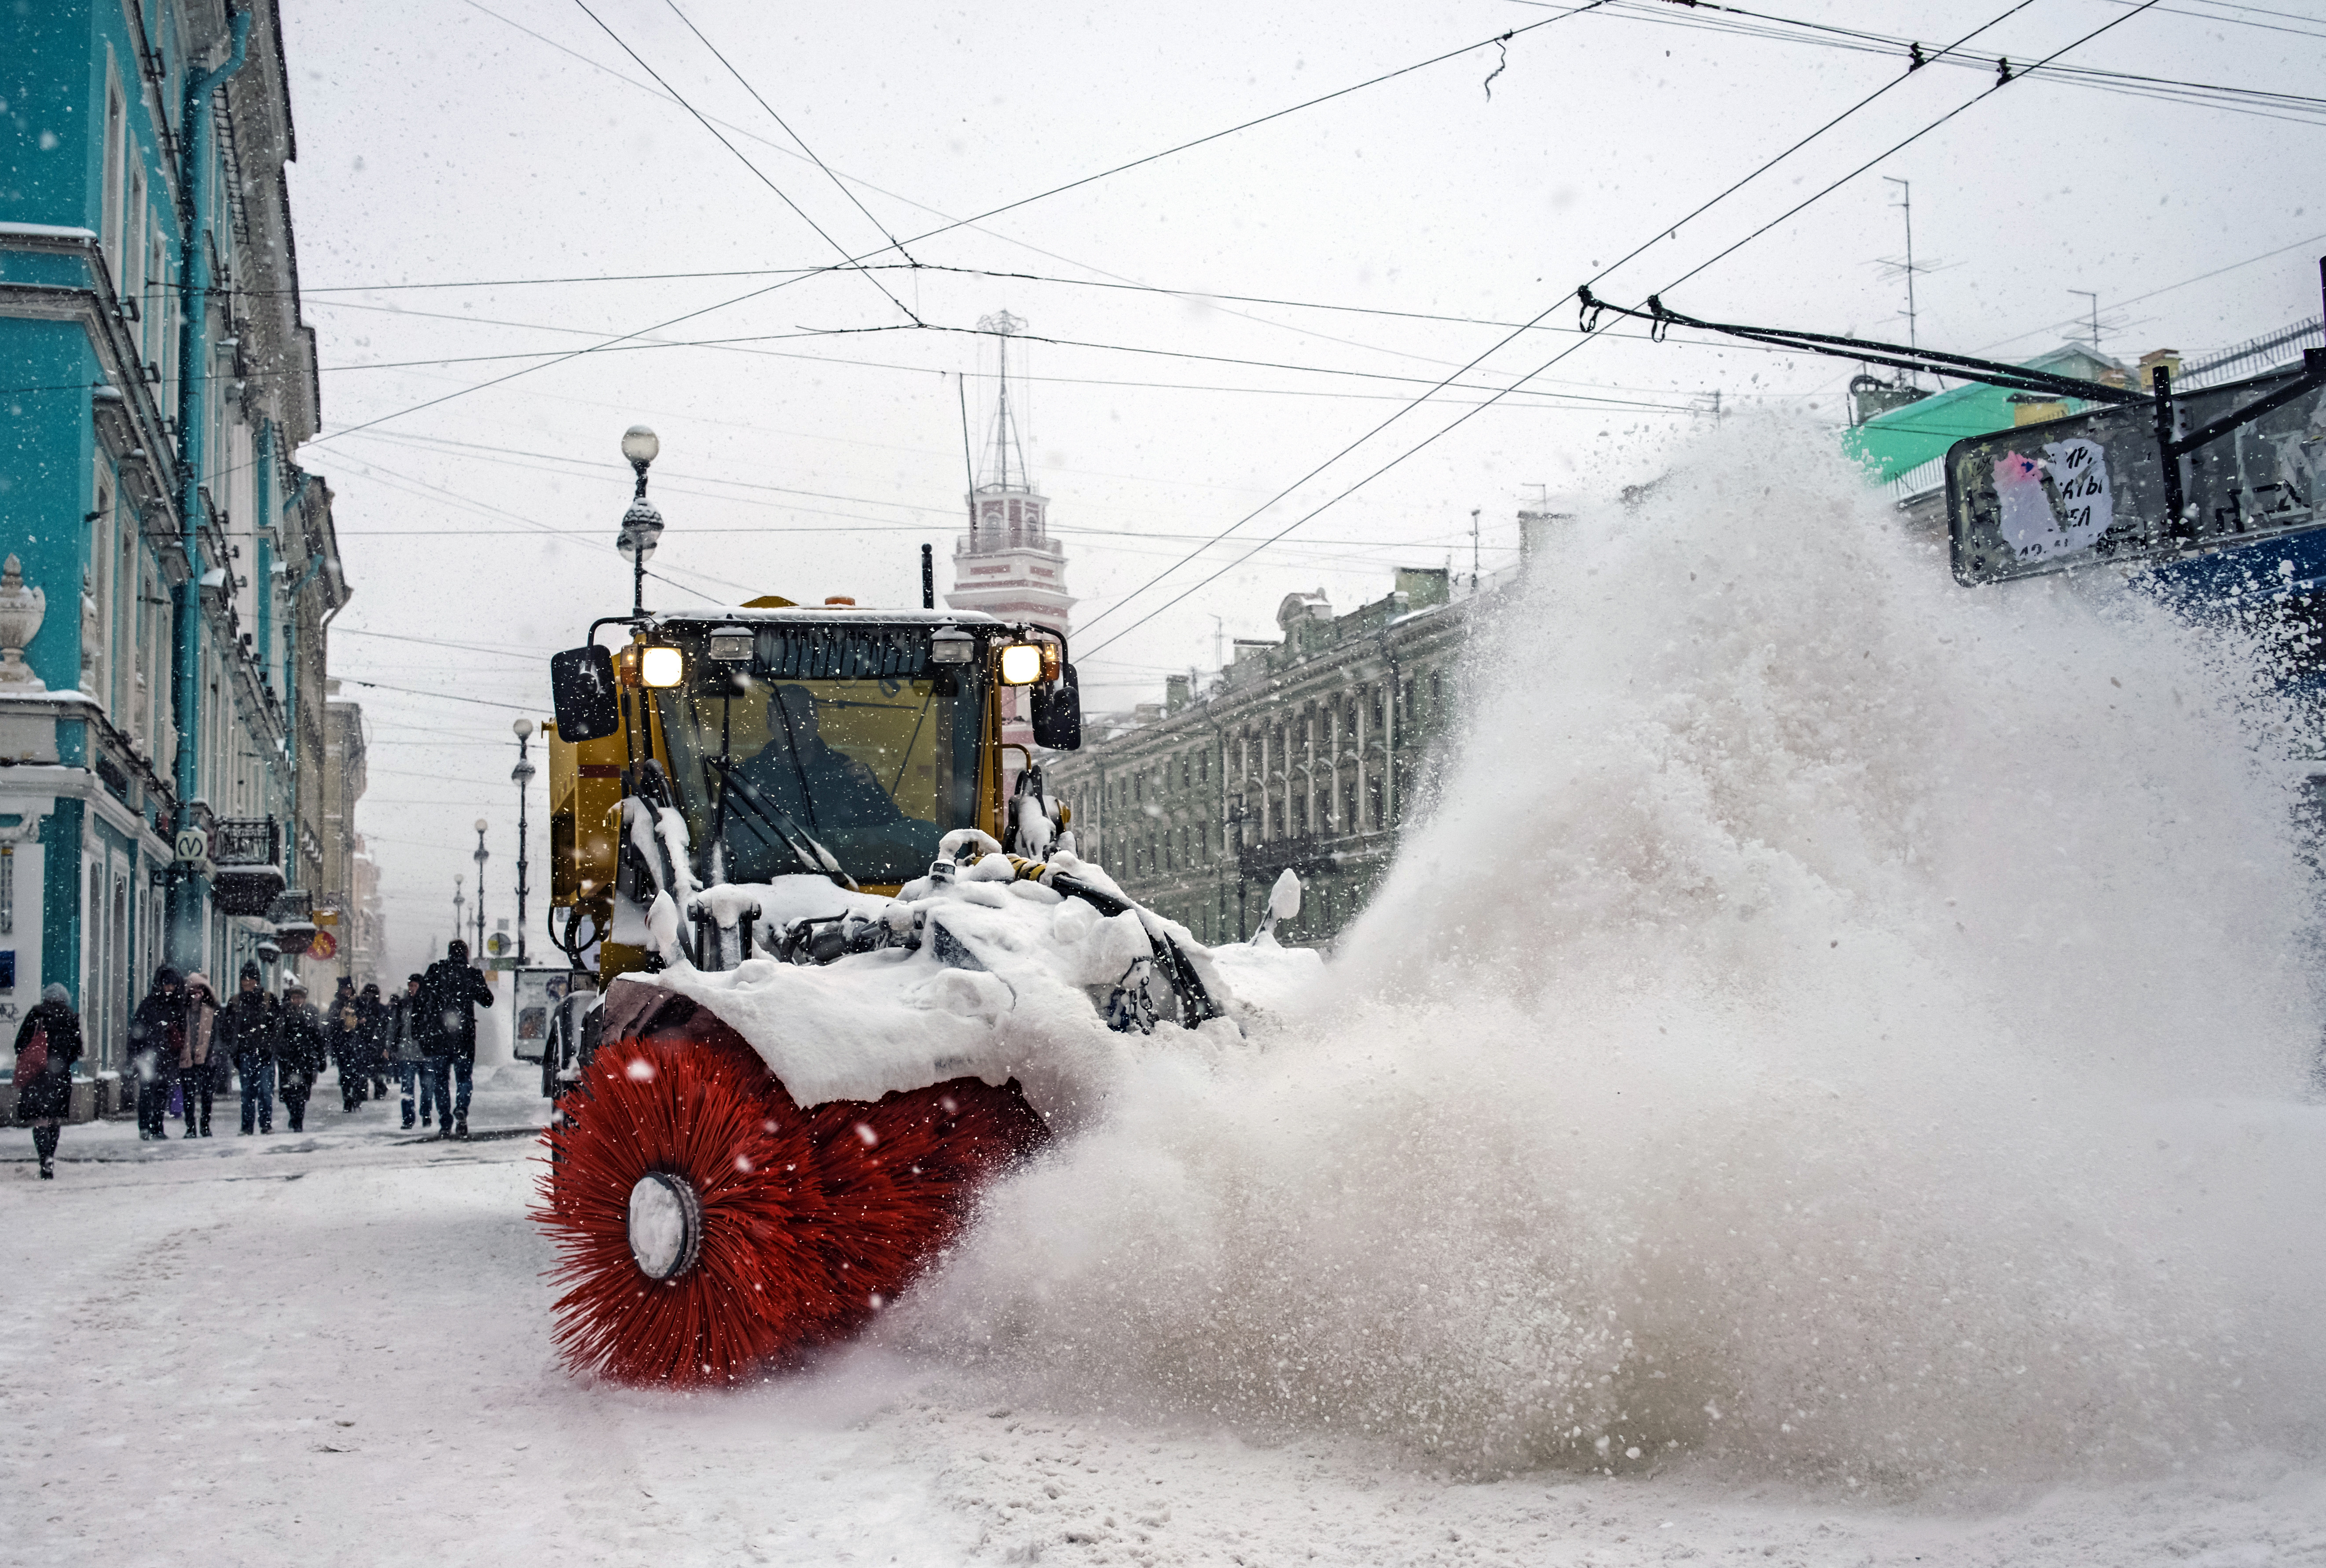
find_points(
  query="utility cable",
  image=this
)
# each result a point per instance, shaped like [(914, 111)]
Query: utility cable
[(1561, 355), (1900, 147), (740, 157), (1400, 412), (795, 135), (1672, 230), (1668, 229), (966, 222)]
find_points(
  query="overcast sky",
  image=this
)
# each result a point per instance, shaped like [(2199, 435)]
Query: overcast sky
[(510, 169)]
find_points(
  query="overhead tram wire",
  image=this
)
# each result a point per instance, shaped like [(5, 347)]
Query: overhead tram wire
[(1672, 230), (1661, 232), (748, 134), (797, 211), (1554, 360), (894, 243), (380, 473), (1502, 37), (741, 345), (1898, 147), (1706, 15), (444, 696)]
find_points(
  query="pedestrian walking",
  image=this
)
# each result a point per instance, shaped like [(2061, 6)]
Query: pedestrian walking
[(451, 990), (197, 1041), (372, 1014), (156, 1035), (301, 1053), (343, 1037), (402, 1032), (48, 1043), (245, 1036)]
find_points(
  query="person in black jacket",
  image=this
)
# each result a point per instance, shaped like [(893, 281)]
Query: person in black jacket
[(245, 1036), (451, 990), (343, 1037), (48, 1043), (157, 1033), (299, 1051), (371, 1014)]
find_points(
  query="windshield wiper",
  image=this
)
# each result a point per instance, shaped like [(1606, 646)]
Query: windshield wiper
[(810, 852)]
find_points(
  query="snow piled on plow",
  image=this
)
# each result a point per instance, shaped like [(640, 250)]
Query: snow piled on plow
[(1844, 1028), (871, 1023)]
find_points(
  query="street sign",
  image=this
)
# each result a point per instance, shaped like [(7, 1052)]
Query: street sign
[(193, 847), (497, 943), (325, 945), (2091, 487), (505, 961)]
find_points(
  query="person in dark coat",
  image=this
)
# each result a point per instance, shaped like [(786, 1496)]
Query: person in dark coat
[(245, 1037), (451, 990), (301, 1053), (343, 1036), (371, 1015), (404, 1054), (48, 1043), (196, 1043), (157, 1032)]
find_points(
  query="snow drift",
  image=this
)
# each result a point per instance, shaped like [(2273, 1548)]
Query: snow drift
[(1845, 1026)]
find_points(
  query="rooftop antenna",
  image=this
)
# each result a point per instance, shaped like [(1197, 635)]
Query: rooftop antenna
[(2095, 300), (1906, 202), (1219, 642), (1004, 325), (1473, 547)]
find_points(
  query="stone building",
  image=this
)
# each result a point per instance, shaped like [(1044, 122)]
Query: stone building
[(339, 895), (1310, 753), (168, 566)]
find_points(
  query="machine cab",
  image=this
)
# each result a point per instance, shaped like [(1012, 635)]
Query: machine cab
[(831, 742)]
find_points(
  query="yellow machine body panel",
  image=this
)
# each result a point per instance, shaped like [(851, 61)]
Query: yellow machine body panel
[(806, 725)]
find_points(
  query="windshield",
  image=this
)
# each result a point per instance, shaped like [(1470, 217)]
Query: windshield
[(873, 767)]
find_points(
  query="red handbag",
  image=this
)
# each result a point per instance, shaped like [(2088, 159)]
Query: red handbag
[(33, 1059)]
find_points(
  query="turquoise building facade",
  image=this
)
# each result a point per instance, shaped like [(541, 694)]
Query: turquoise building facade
[(171, 571)]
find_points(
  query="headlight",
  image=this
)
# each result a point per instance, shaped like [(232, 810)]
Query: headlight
[(953, 646), (661, 666), (731, 645), (1021, 664)]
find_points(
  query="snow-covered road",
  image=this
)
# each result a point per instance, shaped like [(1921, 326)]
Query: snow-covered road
[(332, 1349)]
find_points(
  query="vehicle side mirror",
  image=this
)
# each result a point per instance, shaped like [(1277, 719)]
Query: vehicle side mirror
[(1059, 713), (582, 688)]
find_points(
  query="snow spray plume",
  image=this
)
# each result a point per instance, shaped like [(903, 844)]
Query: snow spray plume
[(1843, 1026)]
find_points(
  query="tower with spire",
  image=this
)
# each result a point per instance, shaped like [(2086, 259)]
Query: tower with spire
[(1007, 564)]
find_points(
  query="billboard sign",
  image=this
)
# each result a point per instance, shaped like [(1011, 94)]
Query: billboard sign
[(2091, 487)]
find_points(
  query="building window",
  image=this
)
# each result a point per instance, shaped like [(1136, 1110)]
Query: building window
[(116, 131), (1437, 695)]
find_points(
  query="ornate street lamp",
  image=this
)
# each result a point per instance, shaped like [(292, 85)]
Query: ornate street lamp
[(522, 776), (460, 904), (480, 856), (641, 524)]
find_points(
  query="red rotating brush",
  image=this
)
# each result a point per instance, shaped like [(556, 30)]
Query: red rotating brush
[(767, 1229)]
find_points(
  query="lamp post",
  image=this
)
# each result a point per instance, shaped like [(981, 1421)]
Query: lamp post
[(641, 528), (460, 902), (480, 856), (522, 775)]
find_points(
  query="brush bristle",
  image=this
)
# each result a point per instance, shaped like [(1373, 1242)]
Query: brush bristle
[(811, 1220)]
